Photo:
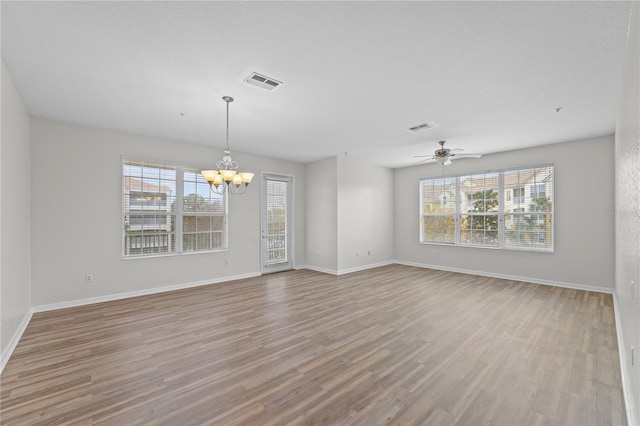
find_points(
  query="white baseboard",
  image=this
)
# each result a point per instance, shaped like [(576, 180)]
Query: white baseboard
[(347, 270), (627, 391), (15, 339), (364, 267), (510, 277), (145, 292), (318, 269)]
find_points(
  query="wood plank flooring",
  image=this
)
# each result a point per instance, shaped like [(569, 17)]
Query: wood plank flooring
[(392, 345)]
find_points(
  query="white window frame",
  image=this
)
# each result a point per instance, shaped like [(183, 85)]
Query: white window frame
[(500, 213), (180, 169)]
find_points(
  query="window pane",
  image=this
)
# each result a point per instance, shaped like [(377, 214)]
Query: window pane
[(147, 202), (439, 200), (439, 229), (530, 231), (202, 241), (198, 196), (276, 243), (203, 232), (439, 195), (480, 193), (145, 234), (479, 230), (189, 223), (534, 187), (477, 227), (204, 223)]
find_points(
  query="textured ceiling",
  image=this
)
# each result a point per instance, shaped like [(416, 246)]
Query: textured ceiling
[(356, 75)]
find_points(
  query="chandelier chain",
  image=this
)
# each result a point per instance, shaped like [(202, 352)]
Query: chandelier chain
[(225, 178), (228, 100)]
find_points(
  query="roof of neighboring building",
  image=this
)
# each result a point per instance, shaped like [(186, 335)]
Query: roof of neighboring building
[(138, 185), (469, 185)]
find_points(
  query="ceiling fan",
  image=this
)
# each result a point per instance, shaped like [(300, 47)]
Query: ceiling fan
[(444, 155)]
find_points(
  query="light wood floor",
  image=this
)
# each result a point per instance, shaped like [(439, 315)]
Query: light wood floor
[(392, 345)]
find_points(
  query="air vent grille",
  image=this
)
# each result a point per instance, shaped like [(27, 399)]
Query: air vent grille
[(422, 126), (262, 81)]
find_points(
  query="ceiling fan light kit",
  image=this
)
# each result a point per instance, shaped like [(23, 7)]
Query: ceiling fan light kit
[(444, 155)]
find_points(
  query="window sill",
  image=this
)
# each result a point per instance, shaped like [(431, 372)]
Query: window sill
[(529, 250), (185, 253)]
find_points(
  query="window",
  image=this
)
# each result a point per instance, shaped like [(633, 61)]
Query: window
[(522, 229), (169, 208), (479, 216), (438, 215), (538, 190), (518, 195), (511, 209)]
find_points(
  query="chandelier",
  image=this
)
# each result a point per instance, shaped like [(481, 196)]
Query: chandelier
[(225, 178)]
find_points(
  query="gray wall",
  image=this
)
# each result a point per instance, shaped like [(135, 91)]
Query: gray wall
[(76, 221), (584, 223), (15, 213), (349, 215), (322, 215), (627, 192), (365, 214)]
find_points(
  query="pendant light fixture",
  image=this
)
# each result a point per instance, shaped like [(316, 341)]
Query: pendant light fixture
[(225, 178)]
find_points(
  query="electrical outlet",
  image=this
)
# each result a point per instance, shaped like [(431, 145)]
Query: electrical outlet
[(88, 278), (369, 253), (226, 262)]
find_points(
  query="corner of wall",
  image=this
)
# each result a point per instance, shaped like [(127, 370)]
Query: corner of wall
[(15, 215), (627, 218)]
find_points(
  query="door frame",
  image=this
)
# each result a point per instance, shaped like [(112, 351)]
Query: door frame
[(291, 218)]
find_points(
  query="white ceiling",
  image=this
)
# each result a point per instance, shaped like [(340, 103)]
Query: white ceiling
[(356, 75)]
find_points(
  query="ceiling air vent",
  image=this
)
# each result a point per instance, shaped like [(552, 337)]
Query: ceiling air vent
[(422, 126), (262, 81), (419, 127)]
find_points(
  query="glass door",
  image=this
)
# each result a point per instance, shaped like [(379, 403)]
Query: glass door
[(276, 223)]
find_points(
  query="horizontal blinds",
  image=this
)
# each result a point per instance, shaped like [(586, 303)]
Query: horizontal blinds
[(276, 222), (169, 208), (480, 204), (511, 209), (439, 201), (528, 208)]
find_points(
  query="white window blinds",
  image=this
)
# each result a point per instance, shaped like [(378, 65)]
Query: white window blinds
[(168, 208), (511, 209)]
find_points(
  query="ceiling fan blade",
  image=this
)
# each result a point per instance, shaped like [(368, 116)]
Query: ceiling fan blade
[(425, 160), (466, 155), (456, 149), (418, 156)]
